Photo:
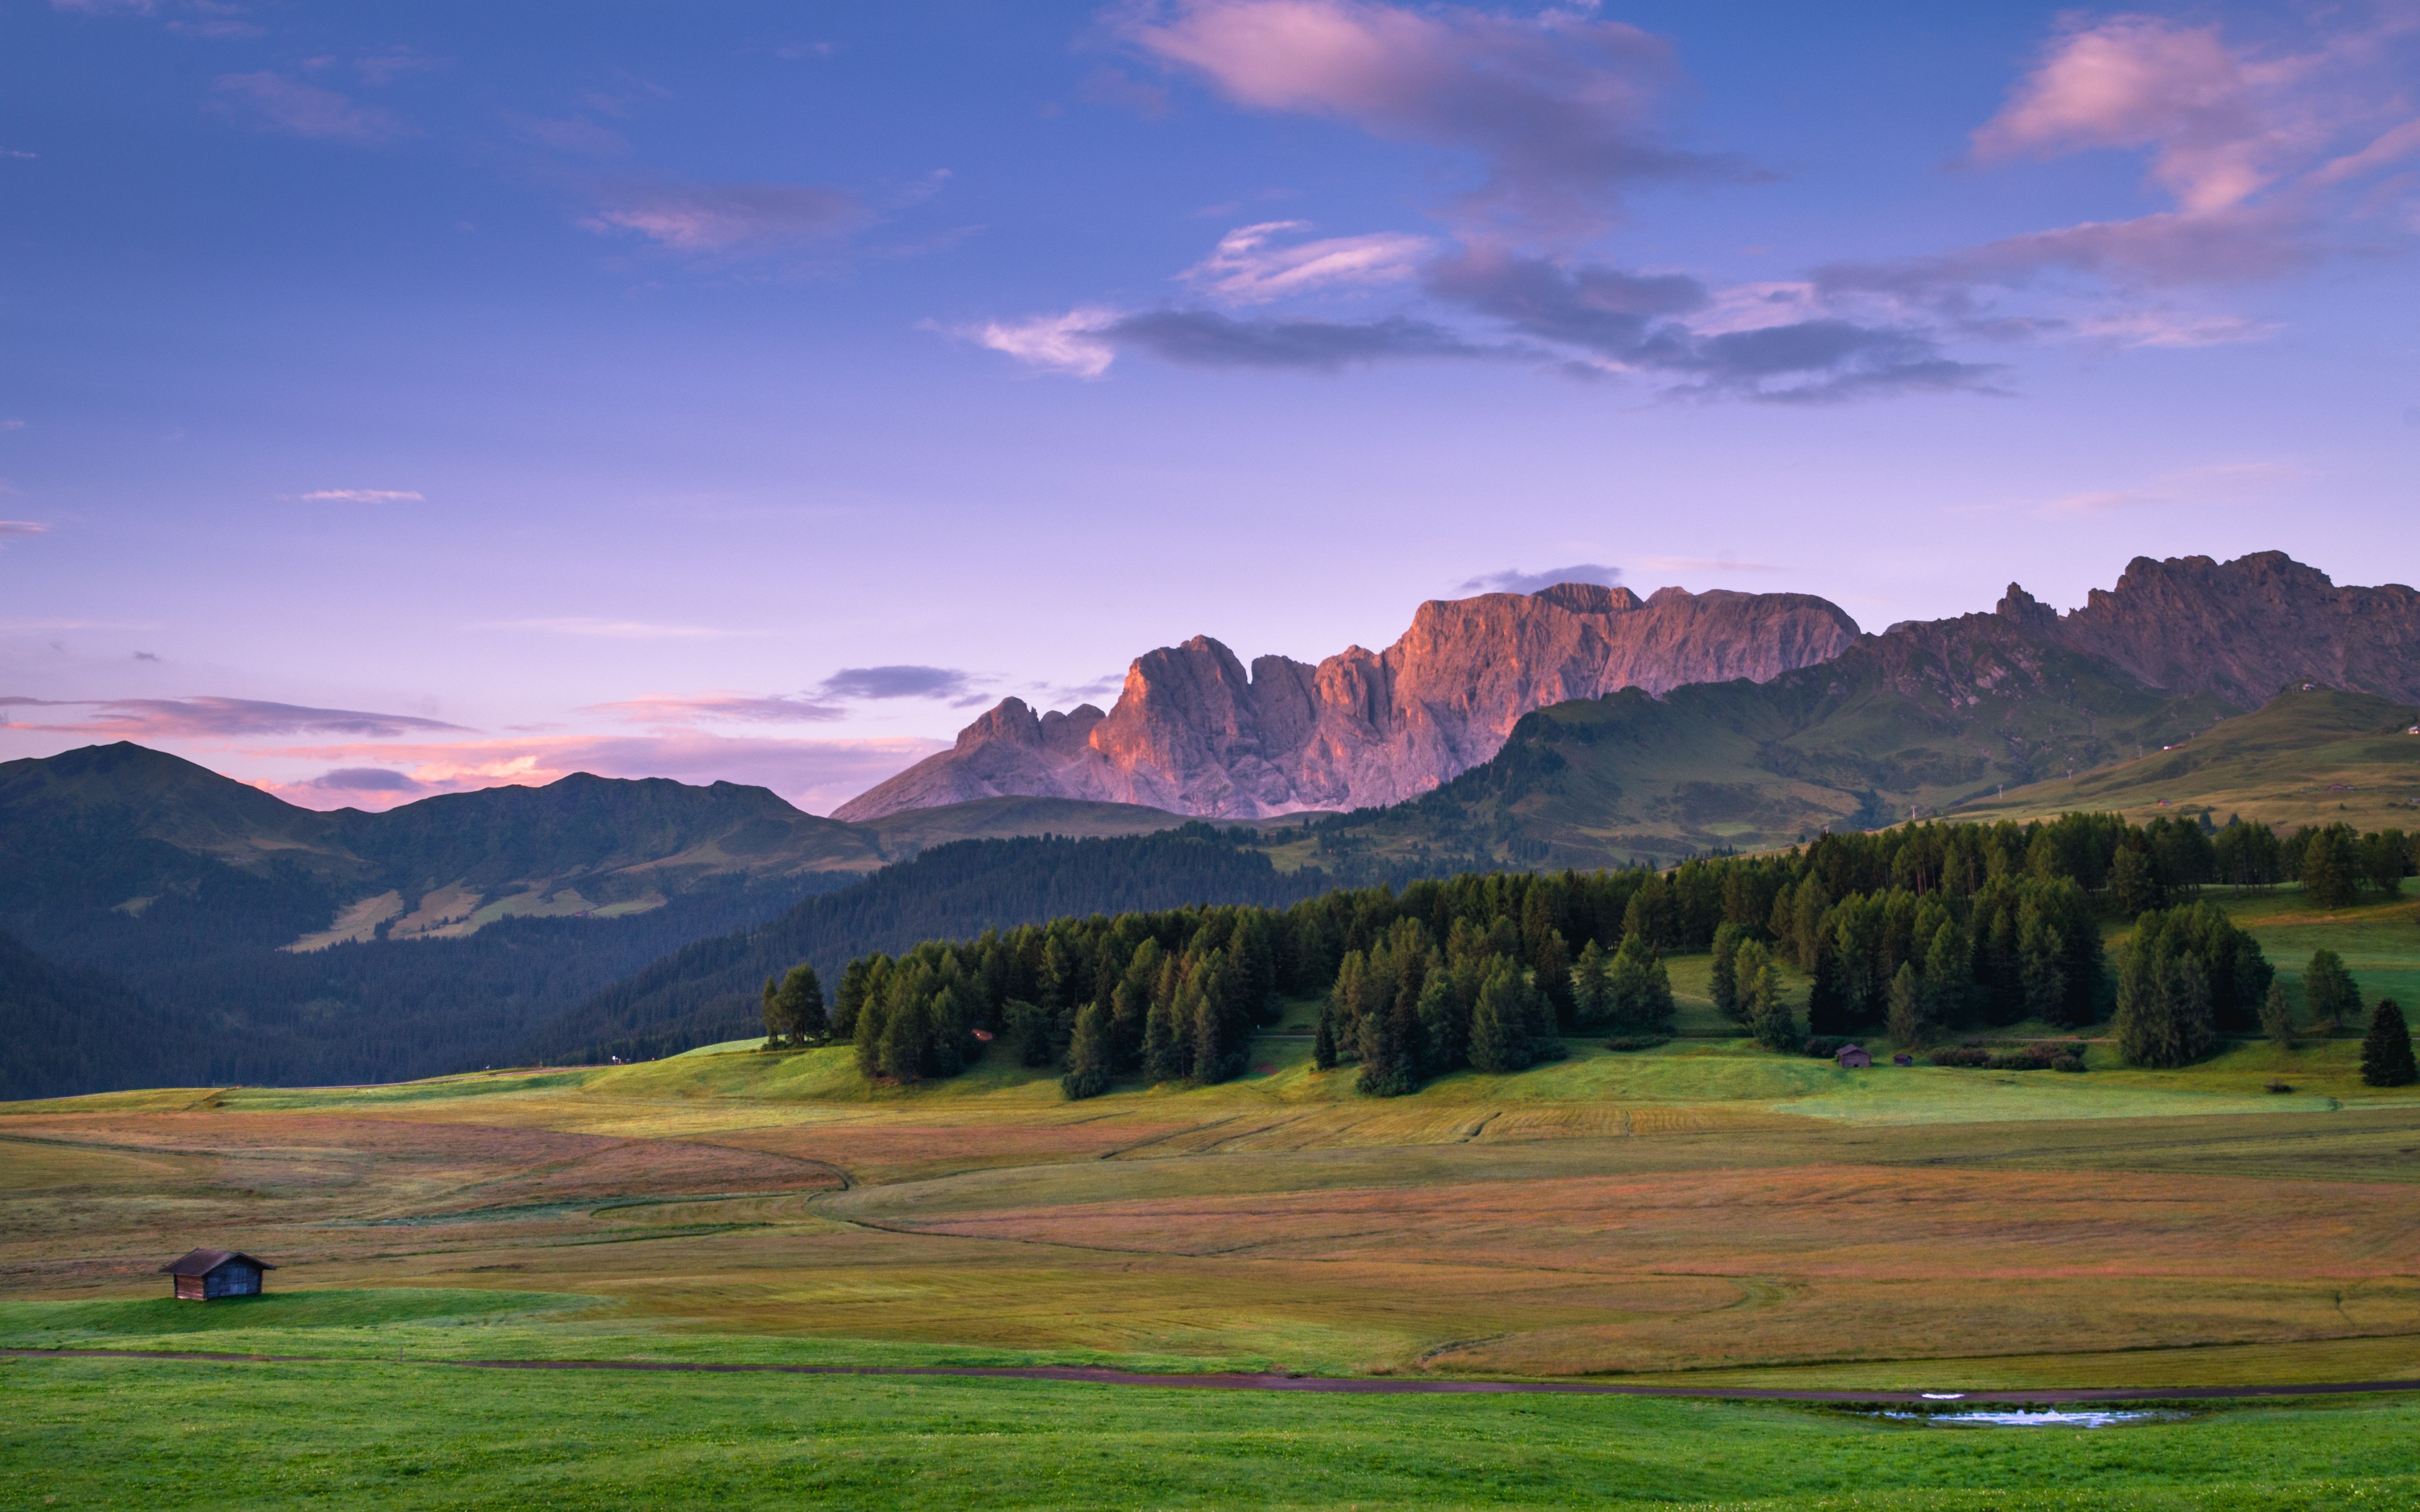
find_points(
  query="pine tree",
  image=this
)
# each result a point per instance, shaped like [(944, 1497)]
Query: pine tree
[(1389, 1067), (866, 1038), (1908, 1023), (1640, 989), (1445, 1024), (1552, 972), (1090, 1056), (2134, 887), (1769, 1018), (2331, 867), (2041, 964), (1948, 972), (775, 1021), (2329, 992), (1827, 996), (2164, 1012), (1727, 938), (1163, 1047), (1499, 1040), (2277, 1017), (2386, 1051), (1591, 993), (1323, 1044)]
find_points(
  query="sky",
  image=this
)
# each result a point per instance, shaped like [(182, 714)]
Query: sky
[(403, 399)]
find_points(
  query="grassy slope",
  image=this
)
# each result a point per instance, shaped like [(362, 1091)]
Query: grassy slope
[(1750, 766), (2305, 757)]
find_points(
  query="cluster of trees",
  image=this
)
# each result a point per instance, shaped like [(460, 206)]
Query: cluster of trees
[(2184, 976), (1927, 930)]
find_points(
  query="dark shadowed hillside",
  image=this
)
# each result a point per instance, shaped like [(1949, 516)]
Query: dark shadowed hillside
[(708, 991)]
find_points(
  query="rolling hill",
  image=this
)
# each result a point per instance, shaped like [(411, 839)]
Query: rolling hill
[(2312, 755), (272, 942)]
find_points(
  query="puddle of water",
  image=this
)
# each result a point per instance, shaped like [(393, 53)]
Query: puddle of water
[(2048, 1417)]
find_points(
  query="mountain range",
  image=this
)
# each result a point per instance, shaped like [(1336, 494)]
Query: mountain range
[(168, 923), (1194, 732)]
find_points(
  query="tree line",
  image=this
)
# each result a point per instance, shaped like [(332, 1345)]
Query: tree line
[(1921, 930)]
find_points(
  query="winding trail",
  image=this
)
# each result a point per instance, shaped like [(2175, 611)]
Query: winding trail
[(1358, 1385)]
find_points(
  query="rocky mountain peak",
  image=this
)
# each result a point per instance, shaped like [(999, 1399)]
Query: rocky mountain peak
[(1195, 731)]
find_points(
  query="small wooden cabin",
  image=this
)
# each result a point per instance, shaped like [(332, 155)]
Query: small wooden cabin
[(207, 1274), (1853, 1057)]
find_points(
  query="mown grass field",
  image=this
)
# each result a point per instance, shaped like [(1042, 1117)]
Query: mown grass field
[(1702, 1212), (423, 1435)]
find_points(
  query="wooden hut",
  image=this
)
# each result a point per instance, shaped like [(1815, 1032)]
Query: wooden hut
[(1853, 1057), (207, 1274)]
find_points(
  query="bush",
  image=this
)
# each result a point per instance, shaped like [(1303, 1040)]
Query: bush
[(1824, 1046), (2278, 1084), (2068, 1063), (1959, 1056), (1636, 1041), (2015, 1060)]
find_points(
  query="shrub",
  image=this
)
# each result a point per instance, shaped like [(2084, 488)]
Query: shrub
[(1824, 1046), (1959, 1056), (2278, 1084), (2068, 1063), (2014, 1060)]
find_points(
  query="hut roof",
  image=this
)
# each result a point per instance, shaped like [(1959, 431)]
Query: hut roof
[(203, 1262)]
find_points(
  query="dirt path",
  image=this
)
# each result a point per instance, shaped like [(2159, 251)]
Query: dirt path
[(1369, 1385)]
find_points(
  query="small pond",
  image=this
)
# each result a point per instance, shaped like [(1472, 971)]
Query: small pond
[(2038, 1417)]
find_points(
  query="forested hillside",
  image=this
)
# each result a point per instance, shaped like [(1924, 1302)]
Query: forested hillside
[(77, 1031), (708, 991), (1920, 932)]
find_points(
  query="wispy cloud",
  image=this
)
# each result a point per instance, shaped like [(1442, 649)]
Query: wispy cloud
[(613, 629), (364, 496), (1084, 342), (898, 682), (283, 104), (1709, 565), (218, 718), (12, 530), (1256, 264), (2219, 482), (690, 708), (1557, 107), (728, 219), (1515, 580), (366, 782)]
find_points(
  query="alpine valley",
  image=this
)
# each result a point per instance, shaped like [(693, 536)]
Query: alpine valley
[(164, 924)]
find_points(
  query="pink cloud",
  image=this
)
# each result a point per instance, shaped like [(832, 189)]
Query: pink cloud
[(2216, 120), (688, 708), (216, 719), (1255, 264), (816, 775), (1556, 105), (728, 218), (307, 110), (2253, 146)]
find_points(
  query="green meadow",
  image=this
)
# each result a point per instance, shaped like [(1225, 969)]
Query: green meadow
[(1701, 1214)]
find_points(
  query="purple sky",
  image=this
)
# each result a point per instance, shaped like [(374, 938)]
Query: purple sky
[(409, 398)]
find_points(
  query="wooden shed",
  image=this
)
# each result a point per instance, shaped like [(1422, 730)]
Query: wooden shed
[(1852, 1057), (207, 1274)]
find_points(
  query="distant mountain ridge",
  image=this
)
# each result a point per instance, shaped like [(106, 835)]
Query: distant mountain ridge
[(1194, 732), (1923, 717)]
